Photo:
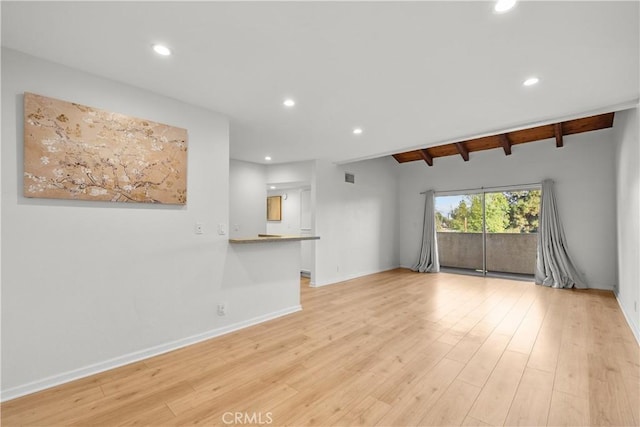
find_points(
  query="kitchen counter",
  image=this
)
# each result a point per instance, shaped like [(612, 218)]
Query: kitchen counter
[(270, 238)]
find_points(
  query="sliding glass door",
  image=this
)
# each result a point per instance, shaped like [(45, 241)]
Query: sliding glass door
[(459, 225), (488, 232), (512, 232)]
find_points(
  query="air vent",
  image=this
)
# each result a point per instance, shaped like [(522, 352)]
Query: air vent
[(350, 178)]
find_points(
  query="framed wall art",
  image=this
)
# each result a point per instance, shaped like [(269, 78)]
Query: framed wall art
[(274, 208), (73, 151)]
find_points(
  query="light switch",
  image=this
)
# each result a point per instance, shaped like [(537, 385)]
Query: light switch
[(222, 229)]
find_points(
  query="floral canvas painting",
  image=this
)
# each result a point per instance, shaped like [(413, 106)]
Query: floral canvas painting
[(72, 151)]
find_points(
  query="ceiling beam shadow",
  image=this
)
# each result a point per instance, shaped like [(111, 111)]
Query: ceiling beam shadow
[(426, 156), (506, 144), (557, 129), (463, 151)]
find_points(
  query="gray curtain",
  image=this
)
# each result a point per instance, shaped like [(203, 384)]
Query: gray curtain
[(428, 260), (554, 266)]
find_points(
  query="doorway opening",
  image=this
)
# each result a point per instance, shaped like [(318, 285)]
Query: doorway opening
[(488, 231), (295, 218)]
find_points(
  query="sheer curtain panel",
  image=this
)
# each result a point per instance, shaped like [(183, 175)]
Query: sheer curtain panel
[(554, 266), (428, 260)]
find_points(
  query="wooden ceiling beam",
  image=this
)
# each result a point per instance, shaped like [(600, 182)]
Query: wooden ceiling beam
[(507, 140), (462, 150), (506, 144), (557, 130), (426, 156)]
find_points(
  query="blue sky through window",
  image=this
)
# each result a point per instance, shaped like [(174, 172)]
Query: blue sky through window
[(445, 204)]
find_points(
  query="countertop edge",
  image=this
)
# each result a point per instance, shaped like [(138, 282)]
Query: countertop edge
[(272, 239)]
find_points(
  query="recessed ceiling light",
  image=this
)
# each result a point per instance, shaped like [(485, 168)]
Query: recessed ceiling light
[(531, 81), (273, 187), (357, 131), (267, 158), (289, 102), (161, 50), (504, 5)]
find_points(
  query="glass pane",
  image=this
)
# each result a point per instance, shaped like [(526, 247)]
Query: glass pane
[(512, 231), (459, 227)]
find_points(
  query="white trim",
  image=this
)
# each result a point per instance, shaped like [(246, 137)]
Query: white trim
[(601, 287), (136, 356), (634, 328)]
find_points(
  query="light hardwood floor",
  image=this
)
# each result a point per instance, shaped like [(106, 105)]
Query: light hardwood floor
[(392, 349)]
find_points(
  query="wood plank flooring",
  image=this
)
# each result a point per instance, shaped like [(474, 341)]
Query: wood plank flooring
[(392, 349)]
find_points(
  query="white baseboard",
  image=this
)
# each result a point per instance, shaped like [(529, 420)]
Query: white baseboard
[(603, 288), (136, 356), (351, 276), (634, 328)]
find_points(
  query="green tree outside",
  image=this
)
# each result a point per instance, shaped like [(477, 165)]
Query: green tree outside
[(506, 212)]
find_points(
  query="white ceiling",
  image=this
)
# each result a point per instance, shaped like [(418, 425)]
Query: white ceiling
[(411, 74)]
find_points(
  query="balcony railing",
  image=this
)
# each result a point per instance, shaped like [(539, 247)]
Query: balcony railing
[(506, 252)]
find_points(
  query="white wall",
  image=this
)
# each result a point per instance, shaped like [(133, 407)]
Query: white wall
[(583, 171), (290, 223), (626, 135), (247, 198), (290, 173), (87, 286), (357, 223)]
